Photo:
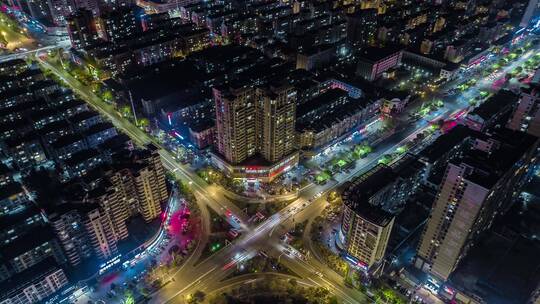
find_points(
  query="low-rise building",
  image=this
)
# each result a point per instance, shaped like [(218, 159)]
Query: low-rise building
[(66, 145), (374, 61), (99, 133), (26, 151), (35, 284), (315, 57), (329, 116), (34, 246), (202, 134)]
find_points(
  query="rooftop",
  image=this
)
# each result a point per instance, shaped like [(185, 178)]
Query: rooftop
[(326, 98), (500, 269), (35, 237), (495, 104), (35, 273), (357, 194), (83, 116), (66, 140), (10, 189), (81, 156), (202, 125), (18, 218), (99, 127), (374, 54), (445, 143)]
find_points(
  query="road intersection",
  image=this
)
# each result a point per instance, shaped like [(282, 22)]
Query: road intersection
[(210, 274)]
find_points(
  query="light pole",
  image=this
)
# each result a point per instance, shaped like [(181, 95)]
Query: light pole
[(133, 108)]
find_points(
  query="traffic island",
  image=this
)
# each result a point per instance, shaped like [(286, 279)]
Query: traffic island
[(220, 233), (260, 264), (274, 289)]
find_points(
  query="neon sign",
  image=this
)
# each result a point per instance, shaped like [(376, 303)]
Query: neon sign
[(110, 263), (356, 262)]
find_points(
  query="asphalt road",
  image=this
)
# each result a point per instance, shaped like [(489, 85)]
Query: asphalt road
[(210, 272)]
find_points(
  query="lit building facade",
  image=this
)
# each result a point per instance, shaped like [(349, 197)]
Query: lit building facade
[(34, 285), (151, 188), (478, 184), (277, 117), (101, 234), (365, 232), (235, 123), (373, 62), (366, 226), (526, 116), (255, 135), (81, 29), (71, 233)]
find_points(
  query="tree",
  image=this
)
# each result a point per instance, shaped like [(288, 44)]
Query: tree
[(108, 96), (96, 87), (125, 111), (3, 42), (221, 298), (198, 296), (293, 282), (144, 123), (332, 300)]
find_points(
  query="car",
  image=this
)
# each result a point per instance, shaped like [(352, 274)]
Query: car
[(319, 274)]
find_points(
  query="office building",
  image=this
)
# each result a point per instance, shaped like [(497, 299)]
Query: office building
[(479, 183), (526, 116)]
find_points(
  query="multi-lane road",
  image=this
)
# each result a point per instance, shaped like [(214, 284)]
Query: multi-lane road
[(208, 275)]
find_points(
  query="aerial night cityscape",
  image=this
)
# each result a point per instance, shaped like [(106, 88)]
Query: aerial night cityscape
[(269, 151)]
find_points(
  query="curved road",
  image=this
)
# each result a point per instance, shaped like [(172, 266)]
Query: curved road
[(214, 269)]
